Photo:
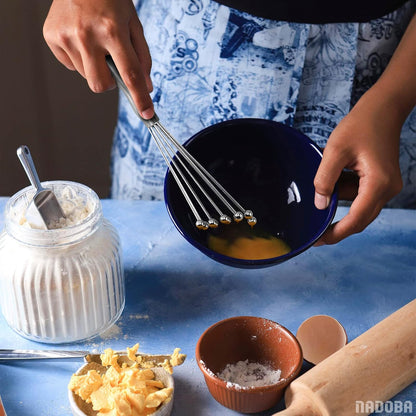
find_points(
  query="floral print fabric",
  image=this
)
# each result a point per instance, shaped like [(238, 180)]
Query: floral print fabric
[(212, 63)]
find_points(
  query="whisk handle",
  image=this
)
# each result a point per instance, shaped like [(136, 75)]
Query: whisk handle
[(122, 86)]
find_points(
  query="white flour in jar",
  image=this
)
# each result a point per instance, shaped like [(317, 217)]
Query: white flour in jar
[(245, 374), (75, 208)]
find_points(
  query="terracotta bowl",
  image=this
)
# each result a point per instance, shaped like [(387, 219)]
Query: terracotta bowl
[(254, 339)]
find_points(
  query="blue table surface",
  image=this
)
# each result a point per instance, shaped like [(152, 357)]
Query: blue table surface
[(174, 292)]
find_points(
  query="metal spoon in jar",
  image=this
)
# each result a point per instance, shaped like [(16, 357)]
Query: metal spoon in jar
[(44, 200)]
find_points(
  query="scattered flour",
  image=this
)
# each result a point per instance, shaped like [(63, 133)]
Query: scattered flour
[(138, 316), (113, 332)]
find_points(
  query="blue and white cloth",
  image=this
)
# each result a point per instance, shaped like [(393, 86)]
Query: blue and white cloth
[(212, 63)]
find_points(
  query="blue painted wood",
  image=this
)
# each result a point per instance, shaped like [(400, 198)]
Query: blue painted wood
[(174, 293)]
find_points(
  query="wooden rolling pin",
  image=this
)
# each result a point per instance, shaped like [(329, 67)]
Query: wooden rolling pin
[(372, 368)]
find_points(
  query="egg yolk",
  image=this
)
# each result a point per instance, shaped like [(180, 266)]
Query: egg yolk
[(256, 248)]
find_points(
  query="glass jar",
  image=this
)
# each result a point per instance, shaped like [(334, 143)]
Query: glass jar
[(60, 285)]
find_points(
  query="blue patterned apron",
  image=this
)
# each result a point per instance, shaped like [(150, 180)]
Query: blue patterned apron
[(212, 63)]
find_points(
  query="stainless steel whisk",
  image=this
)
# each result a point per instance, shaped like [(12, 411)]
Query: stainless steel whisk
[(188, 172)]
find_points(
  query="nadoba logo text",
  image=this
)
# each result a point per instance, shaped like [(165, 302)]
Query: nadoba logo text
[(396, 407)]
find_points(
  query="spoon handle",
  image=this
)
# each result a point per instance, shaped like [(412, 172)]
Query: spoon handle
[(26, 160), (40, 354)]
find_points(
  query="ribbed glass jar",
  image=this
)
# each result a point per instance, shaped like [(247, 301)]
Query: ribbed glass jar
[(60, 285)]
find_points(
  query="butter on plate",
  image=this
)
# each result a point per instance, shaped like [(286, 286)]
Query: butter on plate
[(127, 390)]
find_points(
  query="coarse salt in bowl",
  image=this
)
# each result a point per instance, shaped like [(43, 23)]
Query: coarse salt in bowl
[(239, 345)]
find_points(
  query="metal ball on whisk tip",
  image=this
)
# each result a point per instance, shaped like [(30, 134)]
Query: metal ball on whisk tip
[(185, 169)]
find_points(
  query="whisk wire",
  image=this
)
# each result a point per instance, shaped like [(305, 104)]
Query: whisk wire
[(180, 178), (172, 151), (180, 154), (204, 174), (177, 178)]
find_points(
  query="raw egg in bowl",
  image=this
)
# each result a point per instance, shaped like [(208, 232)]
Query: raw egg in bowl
[(269, 169)]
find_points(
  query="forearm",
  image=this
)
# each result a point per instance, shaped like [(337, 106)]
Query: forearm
[(367, 142), (396, 88)]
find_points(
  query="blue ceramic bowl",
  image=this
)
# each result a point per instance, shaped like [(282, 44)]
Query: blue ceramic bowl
[(267, 167)]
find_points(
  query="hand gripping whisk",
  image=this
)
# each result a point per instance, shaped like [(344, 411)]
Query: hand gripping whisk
[(188, 173)]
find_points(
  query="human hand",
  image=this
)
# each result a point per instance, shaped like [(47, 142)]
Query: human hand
[(81, 33), (366, 142)]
